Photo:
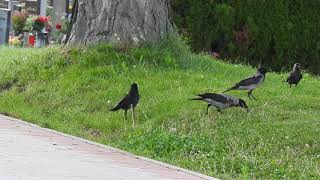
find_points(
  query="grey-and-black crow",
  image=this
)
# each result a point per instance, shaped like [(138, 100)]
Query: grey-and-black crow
[(295, 75), (221, 101), (250, 83), (130, 101)]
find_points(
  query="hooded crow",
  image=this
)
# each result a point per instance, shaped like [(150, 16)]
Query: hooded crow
[(295, 75), (130, 101), (250, 83), (221, 101)]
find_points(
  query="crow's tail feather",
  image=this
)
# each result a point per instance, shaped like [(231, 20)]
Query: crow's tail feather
[(229, 89), (196, 98), (116, 108)]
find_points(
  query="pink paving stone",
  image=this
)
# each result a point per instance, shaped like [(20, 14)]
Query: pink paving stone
[(30, 152)]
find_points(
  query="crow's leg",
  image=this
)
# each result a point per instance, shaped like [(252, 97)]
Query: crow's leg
[(125, 114), (132, 115), (125, 120), (251, 95), (208, 108)]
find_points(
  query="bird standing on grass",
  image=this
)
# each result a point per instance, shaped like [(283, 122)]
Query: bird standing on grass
[(221, 101), (130, 101), (250, 83), (295, 75)]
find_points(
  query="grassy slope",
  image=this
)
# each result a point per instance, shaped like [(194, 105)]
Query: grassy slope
[(71, 91)]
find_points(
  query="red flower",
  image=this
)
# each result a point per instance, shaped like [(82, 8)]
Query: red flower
[(58, 26), (42, 19)]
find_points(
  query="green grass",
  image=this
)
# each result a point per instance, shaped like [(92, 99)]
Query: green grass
[(71, 90)]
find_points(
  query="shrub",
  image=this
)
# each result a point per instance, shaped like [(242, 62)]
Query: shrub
[(274, 33), (18, 21)]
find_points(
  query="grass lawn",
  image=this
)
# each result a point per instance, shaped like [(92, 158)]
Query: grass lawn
[(71, 90)]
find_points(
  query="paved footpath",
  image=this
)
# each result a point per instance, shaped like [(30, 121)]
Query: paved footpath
[(28, 152)]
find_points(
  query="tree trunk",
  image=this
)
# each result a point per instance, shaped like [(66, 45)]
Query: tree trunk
[(120, 21)]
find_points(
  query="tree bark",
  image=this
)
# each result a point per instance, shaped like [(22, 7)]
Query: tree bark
[(120, 21)]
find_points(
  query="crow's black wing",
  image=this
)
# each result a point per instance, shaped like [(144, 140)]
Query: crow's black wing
[(249, 81), (290, 77), (294, 78), (246, 82), (123, 104), (215, 97)]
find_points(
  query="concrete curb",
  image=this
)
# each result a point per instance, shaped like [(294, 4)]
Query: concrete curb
[(115, 150)]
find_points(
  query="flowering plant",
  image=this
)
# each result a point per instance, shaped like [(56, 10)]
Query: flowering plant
[(29, 23), (14, 41), (40, 22), (62, 27), (58, 26), (19, 20)]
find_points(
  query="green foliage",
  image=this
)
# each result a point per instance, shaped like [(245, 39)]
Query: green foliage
[(29, 23), (18, 21), (274, 33), (72, 90)]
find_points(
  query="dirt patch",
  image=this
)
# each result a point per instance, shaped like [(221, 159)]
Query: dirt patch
[(6, 86), (21, 88), (94, 132), (10, 114)]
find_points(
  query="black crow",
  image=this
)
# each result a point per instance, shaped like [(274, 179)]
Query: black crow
[(250, 83), (221, 101), (295, 75), (130, 101)]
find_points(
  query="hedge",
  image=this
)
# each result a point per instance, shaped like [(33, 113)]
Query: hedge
[(273, 33)]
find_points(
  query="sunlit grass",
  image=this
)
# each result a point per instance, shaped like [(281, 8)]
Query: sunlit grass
[(72, 91)]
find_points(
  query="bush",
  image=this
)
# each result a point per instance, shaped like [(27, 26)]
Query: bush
[(18, 21), (274, 33)]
